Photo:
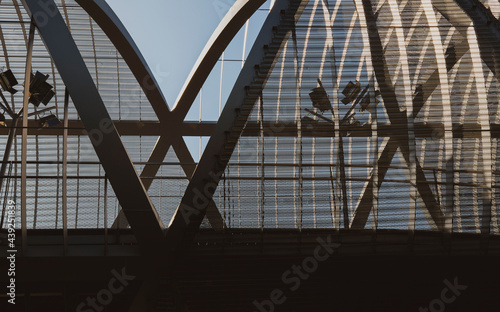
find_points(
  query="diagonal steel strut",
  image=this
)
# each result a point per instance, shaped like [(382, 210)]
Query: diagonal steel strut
[(201, 188), (125, 181), (397, 118)]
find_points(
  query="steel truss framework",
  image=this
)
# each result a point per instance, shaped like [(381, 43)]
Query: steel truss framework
[(438, 212), (433, 137)]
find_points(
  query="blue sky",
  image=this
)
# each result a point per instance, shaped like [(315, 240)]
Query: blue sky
[(171, 34)]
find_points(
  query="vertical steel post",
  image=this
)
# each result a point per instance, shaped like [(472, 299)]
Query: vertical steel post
[(8, 148), (6, 155), (24, 152), (374, 127), (65, 172), (145, 222), (105, 215)]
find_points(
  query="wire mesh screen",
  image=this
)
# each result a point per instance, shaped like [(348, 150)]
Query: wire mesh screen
[(362, 127), (89, 198), (374, 114)]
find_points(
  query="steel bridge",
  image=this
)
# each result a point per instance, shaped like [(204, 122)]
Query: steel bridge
[(364, 131)]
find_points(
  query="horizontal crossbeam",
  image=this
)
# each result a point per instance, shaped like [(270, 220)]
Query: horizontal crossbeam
[(270, 129)]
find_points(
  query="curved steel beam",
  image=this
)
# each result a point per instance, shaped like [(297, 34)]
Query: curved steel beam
[(484, 43), (408, 149), (439, 52), (397, 118), (105, 17), (109, 22), (193, 207), (239, 13), (237, 16), (483, 118), (125, 181), (464, 13)]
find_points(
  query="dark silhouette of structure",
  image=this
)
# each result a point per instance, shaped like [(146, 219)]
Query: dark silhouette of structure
[(353, 166)]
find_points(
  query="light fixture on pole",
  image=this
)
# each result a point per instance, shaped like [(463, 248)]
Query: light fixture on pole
[(49, 121), (8, 81), (40, 90), (320, 99)]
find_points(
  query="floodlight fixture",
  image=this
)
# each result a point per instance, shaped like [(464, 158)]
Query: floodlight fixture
[(2, 120), (320, 100), (351, 92), (40, 90), (8, 81), (49, 121)]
